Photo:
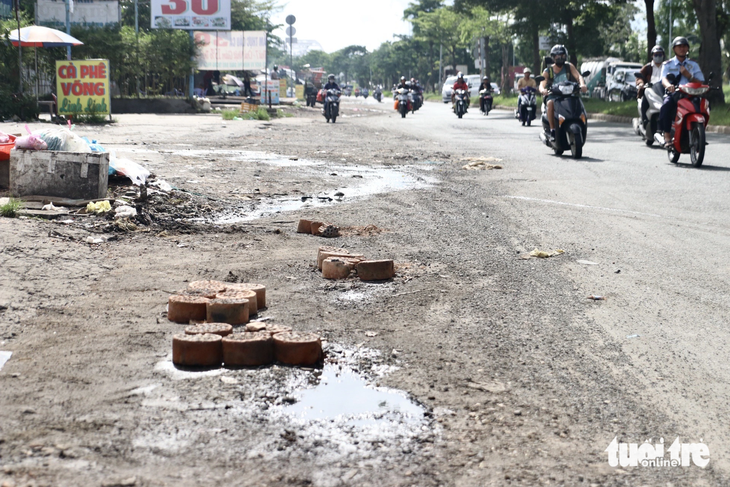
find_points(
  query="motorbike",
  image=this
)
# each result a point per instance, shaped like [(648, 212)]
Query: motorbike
[(311, 98), (654, 95), (528, 106), (378, 95), (460, 103), (332, 104), (365, 94), (403, 101), (417, 100), (571, 120), (690, 123), (486, 105)]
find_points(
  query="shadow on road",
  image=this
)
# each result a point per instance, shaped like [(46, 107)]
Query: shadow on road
[(704, 167)]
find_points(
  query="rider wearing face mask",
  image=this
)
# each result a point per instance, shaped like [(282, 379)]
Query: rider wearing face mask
[(651, 72), (560, 71), (684, 71)]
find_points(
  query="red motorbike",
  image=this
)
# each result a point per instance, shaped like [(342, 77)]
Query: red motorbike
[(688, 129)]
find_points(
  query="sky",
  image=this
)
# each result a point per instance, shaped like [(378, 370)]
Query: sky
[(338, 24)]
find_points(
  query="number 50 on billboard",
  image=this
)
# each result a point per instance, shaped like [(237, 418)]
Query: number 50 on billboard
[(191, 14)]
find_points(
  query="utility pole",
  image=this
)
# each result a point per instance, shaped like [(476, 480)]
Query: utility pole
[(290, 19), (441, 64)]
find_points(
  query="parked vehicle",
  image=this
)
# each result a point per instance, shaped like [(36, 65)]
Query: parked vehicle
[(447, 89), (571, 120), (486, 105), (528, 106), (690, 123), (460, 105), (402, 101), (654, 95), (332, 104), (601, 73), (622, 86)]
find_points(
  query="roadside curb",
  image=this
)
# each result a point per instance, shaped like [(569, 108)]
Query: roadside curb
[(716, 129)]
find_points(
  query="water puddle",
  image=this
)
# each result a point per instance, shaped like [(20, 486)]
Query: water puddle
[(363, 182), (343, 396), (4, 357)]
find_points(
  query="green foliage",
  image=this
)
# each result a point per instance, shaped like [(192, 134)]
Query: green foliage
[(12, 103), (11, 208), (229, 114), (282, 114)]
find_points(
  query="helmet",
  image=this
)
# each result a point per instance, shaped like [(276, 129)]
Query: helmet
[(413, 80), (330, 76), (657, 50), (402, 78), (460, 75), (276, 67), (557, 50), (680, 41), (527, 70)]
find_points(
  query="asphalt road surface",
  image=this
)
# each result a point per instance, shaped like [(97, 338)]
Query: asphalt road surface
[(513, 375)]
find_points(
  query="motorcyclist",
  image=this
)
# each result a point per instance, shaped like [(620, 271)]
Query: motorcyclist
[(460, 84), (331, 85), (560, 71), (486, 85), (685, 71), (525, 82), (403, 84), (651, 73)]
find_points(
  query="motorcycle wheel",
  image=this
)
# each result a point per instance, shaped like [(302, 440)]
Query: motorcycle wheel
[(697, 144), (649, 141), (576, 144)]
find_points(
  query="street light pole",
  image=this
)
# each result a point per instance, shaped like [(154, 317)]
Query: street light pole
[(670, 26)]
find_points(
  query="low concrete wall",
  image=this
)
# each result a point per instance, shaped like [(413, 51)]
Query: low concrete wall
[(151, 105), (74, 175)]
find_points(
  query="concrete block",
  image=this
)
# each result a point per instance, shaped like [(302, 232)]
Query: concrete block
[(74, 175)]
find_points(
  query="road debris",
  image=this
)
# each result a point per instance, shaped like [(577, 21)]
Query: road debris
[(594, 297), (543, 254)]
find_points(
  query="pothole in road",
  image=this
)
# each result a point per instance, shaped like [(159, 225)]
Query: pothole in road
[(333, 410)]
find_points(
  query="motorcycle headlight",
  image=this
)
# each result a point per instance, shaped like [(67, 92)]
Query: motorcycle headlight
[(566, 90)]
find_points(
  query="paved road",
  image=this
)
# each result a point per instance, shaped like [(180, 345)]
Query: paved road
[(659, 234)]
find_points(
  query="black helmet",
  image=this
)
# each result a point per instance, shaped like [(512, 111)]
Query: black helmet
[(680, 41), (657, 50), (557, 50)]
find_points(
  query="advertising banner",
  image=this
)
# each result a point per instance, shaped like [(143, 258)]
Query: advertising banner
[(82, 87), (6, 9), (191, 14), (272, 88), (89, 13), (231, 51), (282, 88), (299, 92)]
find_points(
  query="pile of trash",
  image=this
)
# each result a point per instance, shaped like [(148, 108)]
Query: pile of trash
[(65, 140)]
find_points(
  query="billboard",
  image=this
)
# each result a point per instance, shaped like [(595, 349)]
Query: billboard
[(231, 50), (52, 13), (6, 9), (83, 87), (191, 14)]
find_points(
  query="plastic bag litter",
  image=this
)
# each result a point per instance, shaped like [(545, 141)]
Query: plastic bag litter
[(162, 185), (542, 254), (98, 207), (94, 145), (30, 142), (125, 212), (4, 138), (137, 173), (52, 207), (62, 139)]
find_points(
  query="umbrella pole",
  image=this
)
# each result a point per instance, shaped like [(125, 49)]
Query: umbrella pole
[(20, 52), (35, 50)]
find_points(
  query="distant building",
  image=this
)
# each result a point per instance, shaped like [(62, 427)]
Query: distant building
[(303, 46)]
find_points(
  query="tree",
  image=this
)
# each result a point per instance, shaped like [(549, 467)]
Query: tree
[(650, 27), (710, 53)]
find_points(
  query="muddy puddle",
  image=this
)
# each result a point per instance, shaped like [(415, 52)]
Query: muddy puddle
[(358, 181), (333, 410)]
